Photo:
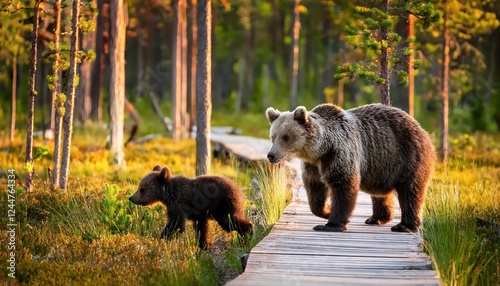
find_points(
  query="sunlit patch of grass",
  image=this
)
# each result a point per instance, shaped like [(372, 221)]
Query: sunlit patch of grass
[(275, 192), (462, 216)]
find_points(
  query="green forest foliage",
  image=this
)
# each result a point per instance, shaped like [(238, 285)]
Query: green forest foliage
[(251, 43)]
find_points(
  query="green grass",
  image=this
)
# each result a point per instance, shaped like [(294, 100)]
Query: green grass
[(463, 193), (92, 234)]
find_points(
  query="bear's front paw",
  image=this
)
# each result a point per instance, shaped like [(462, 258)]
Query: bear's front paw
[(330, 227), (378, 221), (404, 228)]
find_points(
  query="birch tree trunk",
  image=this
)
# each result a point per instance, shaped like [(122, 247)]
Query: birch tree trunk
[(68, 116), (117, 86), (57, 98), (204, 87), (31, 99)]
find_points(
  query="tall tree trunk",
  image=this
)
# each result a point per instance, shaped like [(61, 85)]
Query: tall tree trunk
[(141, 43), (241, 84), (14, 99), (184, 71), (68, 116), (384, 59), (117, 87), (265, 86), (194, 48), (405, 93), (84, 99), (98, 64), (204, 87), (340, 92), (31, 99), (409, 68), (180, 73), (445, 86), (57, 98), (295, 55)]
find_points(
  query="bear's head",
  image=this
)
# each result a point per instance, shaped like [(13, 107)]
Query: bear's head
[(288, 133), (151, 189)]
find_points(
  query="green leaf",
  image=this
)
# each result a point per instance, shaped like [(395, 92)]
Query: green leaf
[(40, 152)]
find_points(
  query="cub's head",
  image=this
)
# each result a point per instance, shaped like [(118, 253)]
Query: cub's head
[(288, 133), (152, 187)]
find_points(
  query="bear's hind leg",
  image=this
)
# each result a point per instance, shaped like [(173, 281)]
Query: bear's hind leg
[(382, 210), (316, 190), (410, 200), (229, 223)]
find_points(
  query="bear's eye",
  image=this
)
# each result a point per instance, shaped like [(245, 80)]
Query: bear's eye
[(285, 138), (142, 191)]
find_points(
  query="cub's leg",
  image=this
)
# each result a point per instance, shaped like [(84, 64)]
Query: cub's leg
[(382, 210), (316, 190), (344, 194), (201, 228), (176, 223)]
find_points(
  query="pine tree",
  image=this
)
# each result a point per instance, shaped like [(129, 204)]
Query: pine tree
[(373, 34)]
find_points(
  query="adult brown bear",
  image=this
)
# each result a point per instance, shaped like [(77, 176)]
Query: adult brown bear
[(376, 148)]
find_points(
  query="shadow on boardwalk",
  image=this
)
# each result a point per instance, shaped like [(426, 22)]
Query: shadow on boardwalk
[(294, 254)]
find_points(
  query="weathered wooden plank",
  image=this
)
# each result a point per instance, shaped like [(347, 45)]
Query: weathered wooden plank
[(243, 147), (297, 279)]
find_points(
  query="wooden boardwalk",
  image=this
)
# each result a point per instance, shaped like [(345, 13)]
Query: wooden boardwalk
[(294, 254)]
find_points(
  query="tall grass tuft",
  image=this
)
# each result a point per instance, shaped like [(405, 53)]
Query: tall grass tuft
[(275, 192), (461, 254)]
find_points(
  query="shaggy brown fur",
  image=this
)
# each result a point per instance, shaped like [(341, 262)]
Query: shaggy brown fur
[(376, 148), (199, 199)]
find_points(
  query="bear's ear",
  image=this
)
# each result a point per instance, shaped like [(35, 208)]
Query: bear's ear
[(272, 114), (300, 115), (157, 168), (165, 173)]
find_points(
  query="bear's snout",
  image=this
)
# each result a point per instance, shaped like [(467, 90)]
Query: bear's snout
[(271, 156)]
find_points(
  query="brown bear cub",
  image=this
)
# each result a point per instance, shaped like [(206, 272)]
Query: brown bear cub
[(375, 148), (198, 200)]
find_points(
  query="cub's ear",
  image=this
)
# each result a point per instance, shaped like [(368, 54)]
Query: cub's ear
[(272, 114), (300, 115), (165, 173), (157, 168)]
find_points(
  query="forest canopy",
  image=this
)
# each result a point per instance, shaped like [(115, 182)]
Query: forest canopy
[(338, 60)]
